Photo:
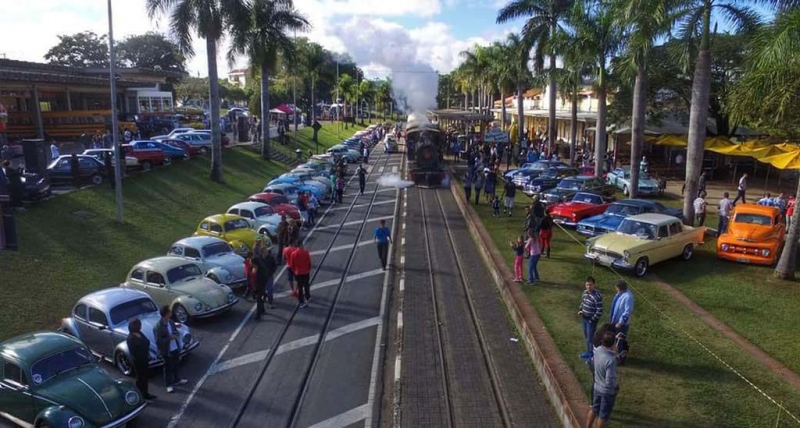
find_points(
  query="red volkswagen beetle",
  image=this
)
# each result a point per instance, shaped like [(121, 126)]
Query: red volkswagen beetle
[(279, 203), (582, 205)]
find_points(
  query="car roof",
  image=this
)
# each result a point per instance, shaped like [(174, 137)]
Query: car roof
[(280, 186), (249, 205), (162, 263), (654, 218), (111, 297), (580, 178), (30, 347), (198, 241), (756, 209), (222, 218)]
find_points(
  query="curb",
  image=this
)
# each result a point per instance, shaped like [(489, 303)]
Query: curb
[(563, 389)]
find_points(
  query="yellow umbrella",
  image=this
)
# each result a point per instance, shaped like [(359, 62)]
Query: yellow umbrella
[(787, 160), (715, 144)]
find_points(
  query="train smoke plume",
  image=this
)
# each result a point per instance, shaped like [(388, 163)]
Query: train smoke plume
[(414, 83)]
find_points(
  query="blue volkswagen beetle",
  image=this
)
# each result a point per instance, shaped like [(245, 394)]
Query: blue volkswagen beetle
[(617, 211), (172, 152)]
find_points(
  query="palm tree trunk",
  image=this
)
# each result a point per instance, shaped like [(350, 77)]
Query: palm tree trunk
[(520, 113), (600, 139), (216, 132), (466, 100), (552, 129), (313, 107), (701, 90), (265, 149), (786, 264), (637, 127), (573, 132), (503, 109)]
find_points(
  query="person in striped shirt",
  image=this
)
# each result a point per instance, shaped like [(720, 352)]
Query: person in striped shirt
[(590, 311)]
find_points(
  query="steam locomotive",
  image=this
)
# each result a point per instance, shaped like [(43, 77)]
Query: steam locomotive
[(425, 149)]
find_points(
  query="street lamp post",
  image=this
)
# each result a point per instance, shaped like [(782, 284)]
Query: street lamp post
[(294, 97), (112, 78)]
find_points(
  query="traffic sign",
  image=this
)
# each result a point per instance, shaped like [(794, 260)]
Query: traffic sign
[(316, 126)]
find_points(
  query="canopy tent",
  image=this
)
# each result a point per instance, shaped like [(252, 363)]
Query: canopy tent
[(277, 111), (715, 144), (786, 160), (283, 108)]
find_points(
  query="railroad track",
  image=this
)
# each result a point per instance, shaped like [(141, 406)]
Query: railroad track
[(243, 416), (467, 377)]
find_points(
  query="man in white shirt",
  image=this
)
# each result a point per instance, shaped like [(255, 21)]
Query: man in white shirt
[(724, 210), (766, 201), (741, 189), (54, 154), (700, 209)]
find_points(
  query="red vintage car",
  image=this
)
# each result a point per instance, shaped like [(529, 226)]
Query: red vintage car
[(279, 203), (582, 205), (589, 171), (191, 150)]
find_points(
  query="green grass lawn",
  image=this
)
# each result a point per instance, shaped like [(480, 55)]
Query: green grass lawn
[(669, 380), (332, 133), (62, 257)]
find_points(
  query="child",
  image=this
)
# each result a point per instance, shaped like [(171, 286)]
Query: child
[(496, 206), (533, 251), (519, 248)]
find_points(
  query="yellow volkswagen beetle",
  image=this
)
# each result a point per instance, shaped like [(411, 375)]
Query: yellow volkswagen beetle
[(233, 229)]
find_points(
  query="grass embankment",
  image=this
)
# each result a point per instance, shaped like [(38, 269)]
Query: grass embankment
[(669, 380), (330, 134), (62, 256)]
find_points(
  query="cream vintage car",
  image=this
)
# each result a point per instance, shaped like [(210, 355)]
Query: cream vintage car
[(644, 240), (182, 285)]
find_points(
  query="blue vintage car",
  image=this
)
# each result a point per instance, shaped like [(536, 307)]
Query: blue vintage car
[(538, 166), (548, 179), (617, 211), (621, 178), (174, 153)]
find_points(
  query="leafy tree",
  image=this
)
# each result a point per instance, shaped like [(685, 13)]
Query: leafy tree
[(85, 49), (191, 88), (366, 92), (314, 59), (152, 51), (346, 89)]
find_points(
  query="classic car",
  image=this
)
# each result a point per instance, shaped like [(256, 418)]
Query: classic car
[(199, 139), (190, 150), (621, 179), (89, 170), (568, 187), (170, 152), (100, 154), (148, 157), (529, 166), (390, 144), (178, 131), (644, 240), (220, 262), (279, 203), (233, 229), (100, 320), (548, 179), (52, 380), (581, 206), (261, 217), (755, 235), (353, 156), (610, 219), (288, 190), (182, 285)]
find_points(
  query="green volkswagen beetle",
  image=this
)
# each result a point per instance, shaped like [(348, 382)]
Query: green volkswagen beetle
[(53, 380)]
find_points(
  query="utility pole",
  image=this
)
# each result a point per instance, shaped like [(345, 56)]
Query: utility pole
[(294, 96), (112, 78), (338, 106)]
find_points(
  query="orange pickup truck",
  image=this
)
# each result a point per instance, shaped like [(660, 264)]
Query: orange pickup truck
[(755, 235)]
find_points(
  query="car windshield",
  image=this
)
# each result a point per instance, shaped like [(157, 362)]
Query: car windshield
[(639, 229), (237, 224), (623, 209), (587, 198), (182, 272), (264, 211), (216, 248), (757, 219), (132, 309), (64, 361), (570, 184)]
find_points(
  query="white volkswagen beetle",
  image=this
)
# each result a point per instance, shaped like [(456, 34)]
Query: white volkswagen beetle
[(261, 217)]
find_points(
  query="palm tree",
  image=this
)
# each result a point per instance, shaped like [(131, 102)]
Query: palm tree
[(207, 18), (366, 90), (263, 38), (346, 87), (599, 36), (314, 59), (476, 69), (546, 21), (384, 93), (697, 22), (577, 65), (767, 94), (503, 73), (644, 22), (519, 54)]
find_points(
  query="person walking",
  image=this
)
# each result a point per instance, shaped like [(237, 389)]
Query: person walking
[(139, 349), (362, 178), (301, 263), (546, 233), (533, 251), (313, 204), (467, 185), (166, 335), (700, 209), (339, 189), (382, 236), (496, 207), (287, 255), (605, 387), (622, 308), (724, 211), (790, 211), (490, 182), (519, 250), (478, 187), (283, 237), (293, 231), (265, 269), (54, 154), (537, 212), (590, 311), (701, 183), (644, 165), (509, 193), (366, 154), (741, 190)]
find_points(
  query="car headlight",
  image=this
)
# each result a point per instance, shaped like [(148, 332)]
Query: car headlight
[(231, 297), (574, 216), (229, 277), (131, 397), (626, 255), (77, 421), (198, 307), (243, 248), (187, 339), (765, 252), (724, 247)]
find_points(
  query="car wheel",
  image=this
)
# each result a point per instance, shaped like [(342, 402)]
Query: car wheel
[(204, 150), (123, 364), (147, 166), (687, 252), (97, 179), (186, 156), (641, 267), (167, 160), (625, 190), (43, 424), (180, 313)]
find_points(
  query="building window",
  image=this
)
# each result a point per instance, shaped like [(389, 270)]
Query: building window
[(144, 104), (166, 104)]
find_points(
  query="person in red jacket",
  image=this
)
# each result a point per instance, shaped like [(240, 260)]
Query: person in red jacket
[(301, 263), (288, 251)]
